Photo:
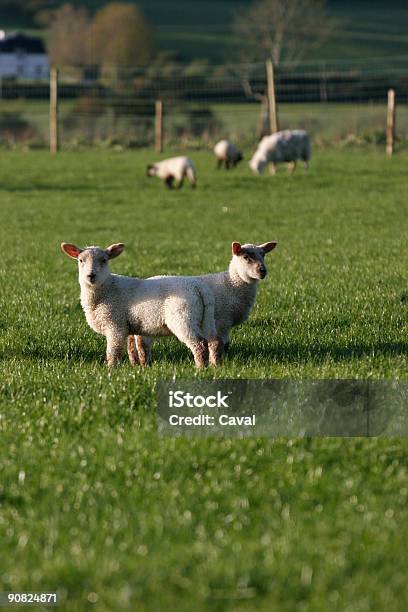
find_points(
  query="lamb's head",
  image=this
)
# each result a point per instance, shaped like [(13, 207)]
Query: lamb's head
[(151, 170), (258, 162), (93, 262), (248, 260)]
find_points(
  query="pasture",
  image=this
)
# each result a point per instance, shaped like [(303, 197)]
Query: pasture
[(92, 503)]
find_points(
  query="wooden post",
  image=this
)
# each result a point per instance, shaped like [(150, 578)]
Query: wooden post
[(390, 122), (53, 110), (270, 80), (159, 126)]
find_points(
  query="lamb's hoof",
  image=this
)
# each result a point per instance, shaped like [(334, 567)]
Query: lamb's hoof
[(132, 352), (201, 354)]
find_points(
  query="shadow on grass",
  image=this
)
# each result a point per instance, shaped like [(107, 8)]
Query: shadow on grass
[(298, 353), (176, 353)]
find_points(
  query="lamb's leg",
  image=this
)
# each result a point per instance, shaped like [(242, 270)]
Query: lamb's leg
[(144, 349), (272, 168), (216, 351), (291, 167), (218, 347), (169, 181), (306, 165), (219, 164), (184, 331), (179, 183), (115, 342), (132, 351)]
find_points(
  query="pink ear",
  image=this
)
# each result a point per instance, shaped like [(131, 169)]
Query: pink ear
[(268, 246), (114, 250), (236, 248), (71, 250)]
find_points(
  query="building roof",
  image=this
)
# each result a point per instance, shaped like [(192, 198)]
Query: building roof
[(20, 42)]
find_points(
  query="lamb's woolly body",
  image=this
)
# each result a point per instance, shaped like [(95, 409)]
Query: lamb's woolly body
[(286, 146), (118, 306), (174, 168), (226, 152), (234, 292)]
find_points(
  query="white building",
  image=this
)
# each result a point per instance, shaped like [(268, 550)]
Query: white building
[(22, 57)]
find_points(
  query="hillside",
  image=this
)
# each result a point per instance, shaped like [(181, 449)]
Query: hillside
[(201, 29)]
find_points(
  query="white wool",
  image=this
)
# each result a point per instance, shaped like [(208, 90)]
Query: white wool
[(287, 146), (119, 306), (174, 168)]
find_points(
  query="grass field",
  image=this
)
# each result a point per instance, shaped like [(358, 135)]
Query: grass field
[(92, 502)]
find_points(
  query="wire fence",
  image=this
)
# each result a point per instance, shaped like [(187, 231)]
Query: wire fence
[(336, 102)]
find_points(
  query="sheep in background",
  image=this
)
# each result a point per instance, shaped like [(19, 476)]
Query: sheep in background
[(227, 153), (173, 170), (119, 306), (288, 146), (234, 292)]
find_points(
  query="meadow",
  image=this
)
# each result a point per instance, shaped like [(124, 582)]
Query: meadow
[(92, 503)]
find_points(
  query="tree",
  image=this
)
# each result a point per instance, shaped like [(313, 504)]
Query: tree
[(283, 30), (68, 34), (120, 36)]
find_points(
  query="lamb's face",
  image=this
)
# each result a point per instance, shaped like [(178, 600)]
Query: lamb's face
[(257, 164), (151, 170), (249, 260), (92, 262), (93, 266)]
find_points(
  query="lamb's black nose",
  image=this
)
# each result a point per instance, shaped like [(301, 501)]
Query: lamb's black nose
[(92, 277), (262, 272)]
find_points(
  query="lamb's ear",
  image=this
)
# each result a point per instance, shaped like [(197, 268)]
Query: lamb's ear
[(236, 248), (268, 246), (114, 250), (71, 250)]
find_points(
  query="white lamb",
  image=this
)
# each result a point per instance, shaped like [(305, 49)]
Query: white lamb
[(227, 154), (234, 291), (287, 146), (119, 306), (174, 169)]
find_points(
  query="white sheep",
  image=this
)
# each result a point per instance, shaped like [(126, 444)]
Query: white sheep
[(173, 170), (287, 146), (227, 153), (234, 291), (119, 306)]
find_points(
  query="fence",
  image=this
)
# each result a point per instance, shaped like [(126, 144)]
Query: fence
[(335, 101)]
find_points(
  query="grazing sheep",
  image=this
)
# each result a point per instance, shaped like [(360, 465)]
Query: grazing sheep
[(227, 153), (287, 146), (174, 169), (119, 306), (234, 292)]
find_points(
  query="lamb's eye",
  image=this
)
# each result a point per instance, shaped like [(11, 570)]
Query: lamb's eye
[(81, 261), (247, 258)]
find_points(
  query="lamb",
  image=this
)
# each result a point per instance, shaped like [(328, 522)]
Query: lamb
[(227, 153), (287, 146), (120, 306), (174, 169), (234, 291)]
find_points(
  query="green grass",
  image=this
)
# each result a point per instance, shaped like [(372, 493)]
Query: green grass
[(91, 501)]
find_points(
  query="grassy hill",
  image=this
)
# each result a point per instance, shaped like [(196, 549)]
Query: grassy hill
[(202, 28)]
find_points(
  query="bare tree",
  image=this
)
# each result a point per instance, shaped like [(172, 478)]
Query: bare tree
[(283, 30), (68, 29), (120, 36)]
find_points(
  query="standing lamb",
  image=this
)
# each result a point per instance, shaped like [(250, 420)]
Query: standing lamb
[(234, 291), (119, 306), (227, 154), (174, 169), (287, 146)]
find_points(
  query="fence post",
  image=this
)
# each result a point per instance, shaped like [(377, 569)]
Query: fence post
[(159, 126), (53, 110), (390, 122), (270, 80)]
